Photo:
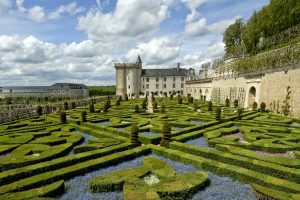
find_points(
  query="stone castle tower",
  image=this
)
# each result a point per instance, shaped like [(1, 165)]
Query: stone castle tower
[(128, 77)]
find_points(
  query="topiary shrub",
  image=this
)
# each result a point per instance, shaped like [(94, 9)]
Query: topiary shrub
[(47, 109), (154, 104), (134, 134), (126, 97), (63, 117), (227, 102), (66, 106), (118, 102), (190, 99), (136, 109), (92, 108), (73, 105), (254, 106), (83, 116), (239, 114), (218, 113), (39, 110), (179, 100), (195, 106), (106, 106), (162, 108), (263, 107), (236, 103), (166, 132), (144, 104), (171, 96), (209, 106)]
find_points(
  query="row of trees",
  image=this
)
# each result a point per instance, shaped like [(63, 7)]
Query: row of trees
[(271, 20)]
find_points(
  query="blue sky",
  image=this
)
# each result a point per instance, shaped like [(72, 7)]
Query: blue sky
[(47, 41)]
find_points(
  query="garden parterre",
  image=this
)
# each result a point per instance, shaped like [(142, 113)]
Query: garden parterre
[(37, 155)]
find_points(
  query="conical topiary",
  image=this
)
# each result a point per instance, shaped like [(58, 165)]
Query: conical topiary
[(134, 135), (166, 132)]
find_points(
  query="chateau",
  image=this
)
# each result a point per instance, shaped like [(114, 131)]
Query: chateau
[(55, 90), (134, 81), (277, 88)]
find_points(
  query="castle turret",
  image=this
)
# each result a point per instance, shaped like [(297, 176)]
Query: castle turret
[(120, 79)]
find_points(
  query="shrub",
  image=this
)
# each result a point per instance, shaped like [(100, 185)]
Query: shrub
[(236, 103), (92, 108), (154, 104), (144, 104), (263, 107), (239, 113), (47, 109), (171, 96), (190, 99), (195, 106), (162, 108), (73, 105), (179, 100), (66, 105), (136, 109), (118, 102), (83, 116), (39, 110), (166, 132), (126, 97), (218, 113), (209, 106), (134, 134), (254, 106), (227, 102), (63, 117), (106, 106)]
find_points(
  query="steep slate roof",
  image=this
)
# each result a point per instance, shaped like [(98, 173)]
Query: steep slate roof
[(59, 86), (138, 59), (163, 72)]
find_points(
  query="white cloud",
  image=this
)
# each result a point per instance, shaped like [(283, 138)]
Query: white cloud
[(70, 9), (157, 51), (131, 18), (194, 4), (36, 13), (4, 4), (20, 6)]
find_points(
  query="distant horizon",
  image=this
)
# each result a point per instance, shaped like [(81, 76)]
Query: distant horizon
[(79, 41)]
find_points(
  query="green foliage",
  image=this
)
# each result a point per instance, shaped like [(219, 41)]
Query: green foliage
[(155, 104), (73, 105), (195, 106), (239, 113), (47, 109), (106, 106), (263, 107), (102, 90), (286, 108), (190, 99), (162, 107), (218, 113), (134, 131), (227, 102), (39, 110), (166, 132), (254, 106), (126, 97), (92, 108), (66, 105), (136, 109), (63, 117), (209, 106), (179, 100), (144, 104), (236, 103), (118, 102), (233, 36), (83, 116)]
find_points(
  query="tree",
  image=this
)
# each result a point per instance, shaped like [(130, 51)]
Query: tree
[(106, 106), (166, 132), (179, 100), (134, 134), (91, 108), (227, 102), (83, 116), (66, 106), (233, 35), (236, 103), (209, 106), (73, 105), (136, 109), (118, 102), (263, 107), (239, 114), (254, 106), (39, 110), (162, 108), (218, 113), (63, 117), (154, 104), (195, 106)]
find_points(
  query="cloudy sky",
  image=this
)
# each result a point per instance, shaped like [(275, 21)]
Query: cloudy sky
[(48, 41)]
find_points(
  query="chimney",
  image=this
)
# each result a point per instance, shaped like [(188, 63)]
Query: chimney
[(178, 66)]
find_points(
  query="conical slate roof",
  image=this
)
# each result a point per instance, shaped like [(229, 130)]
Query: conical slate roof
[(138, 59)]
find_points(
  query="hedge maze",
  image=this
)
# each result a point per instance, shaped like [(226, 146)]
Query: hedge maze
[(118, 151)]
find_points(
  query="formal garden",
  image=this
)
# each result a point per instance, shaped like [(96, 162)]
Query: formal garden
[(152, 148)]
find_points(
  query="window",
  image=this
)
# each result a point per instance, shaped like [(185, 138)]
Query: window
[(157, 79), (174, 79), (128, 77), (182, 78), (182, 85), (147, 79), (165, 79), (165, 85), (128, 86), (147, 86), (147, 93), (157, 86), (174, 85)]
